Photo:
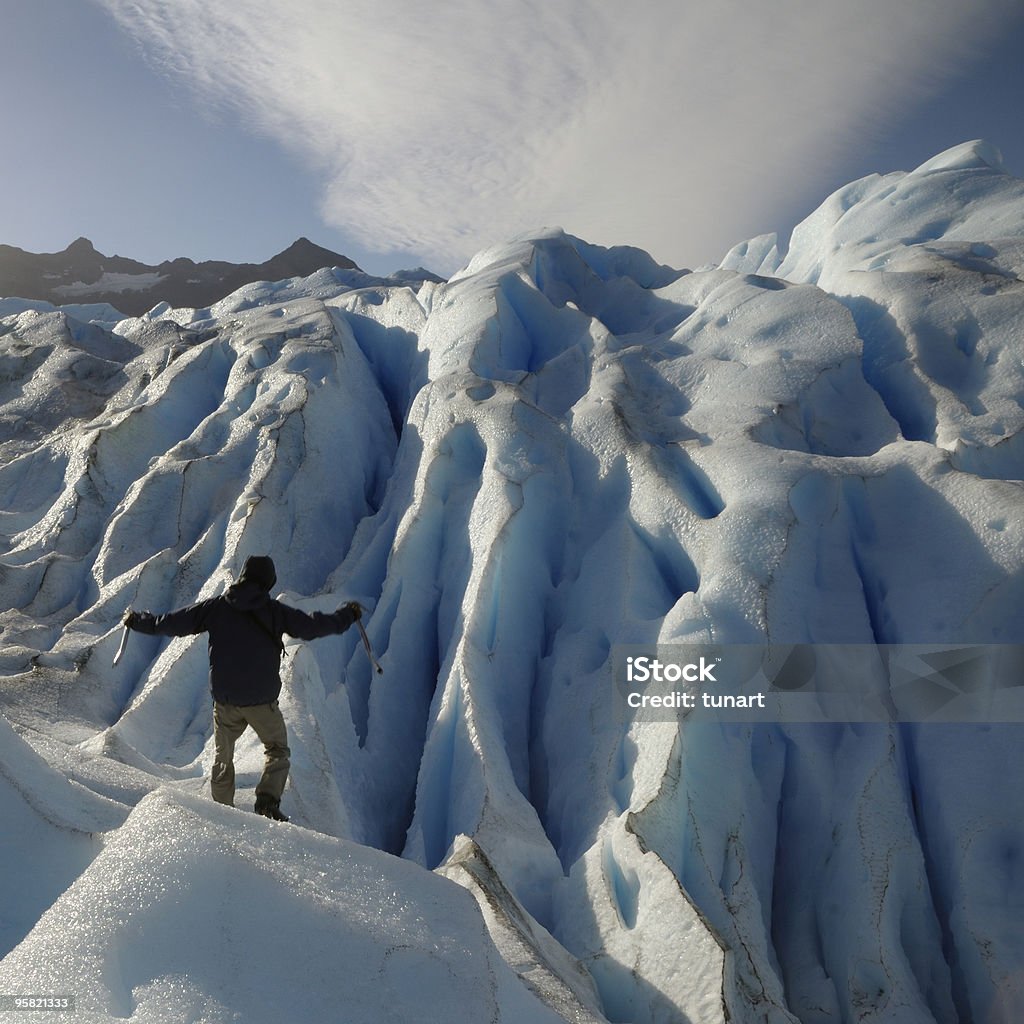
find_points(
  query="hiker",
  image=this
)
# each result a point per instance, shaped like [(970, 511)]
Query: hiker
[(245, 626)]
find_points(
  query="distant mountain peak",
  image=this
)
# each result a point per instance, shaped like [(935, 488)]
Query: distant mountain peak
[(302, 257), (303, 246), (80, 245)]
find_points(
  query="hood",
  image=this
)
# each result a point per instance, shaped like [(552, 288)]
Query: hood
[(252, 588), (259, 569)]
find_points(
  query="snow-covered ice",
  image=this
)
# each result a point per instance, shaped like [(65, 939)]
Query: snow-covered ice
[(563, 449), (194, 912)]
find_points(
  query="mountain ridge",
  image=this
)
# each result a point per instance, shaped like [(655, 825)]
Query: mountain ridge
[(80, 273)]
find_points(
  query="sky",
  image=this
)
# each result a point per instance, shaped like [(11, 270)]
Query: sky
[(400, 135)]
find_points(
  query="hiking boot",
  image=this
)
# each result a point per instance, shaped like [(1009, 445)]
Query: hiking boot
[(269, 808)]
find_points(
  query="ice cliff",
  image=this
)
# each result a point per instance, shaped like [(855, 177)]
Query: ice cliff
[(562, 449)]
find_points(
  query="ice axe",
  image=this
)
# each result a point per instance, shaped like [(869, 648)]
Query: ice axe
[(122, 645), (366, 644)]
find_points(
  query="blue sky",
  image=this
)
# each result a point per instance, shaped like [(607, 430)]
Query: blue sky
[(225, 129)]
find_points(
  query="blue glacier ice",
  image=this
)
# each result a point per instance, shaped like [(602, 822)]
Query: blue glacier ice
[(562, 449)]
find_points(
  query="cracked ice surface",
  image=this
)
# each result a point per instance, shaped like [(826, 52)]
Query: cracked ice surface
[(562, 449)]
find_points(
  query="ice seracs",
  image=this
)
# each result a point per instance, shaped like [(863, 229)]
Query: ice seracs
[(563, 449)]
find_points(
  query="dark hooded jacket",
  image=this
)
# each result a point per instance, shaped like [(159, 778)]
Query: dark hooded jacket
[(245, 626)]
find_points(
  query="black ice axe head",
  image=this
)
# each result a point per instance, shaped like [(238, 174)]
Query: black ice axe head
[(369, 649)]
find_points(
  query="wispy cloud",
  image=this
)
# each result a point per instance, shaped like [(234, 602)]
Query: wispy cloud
[(662, 123)]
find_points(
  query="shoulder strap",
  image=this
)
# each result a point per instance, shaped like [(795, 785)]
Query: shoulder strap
[(266, 629)]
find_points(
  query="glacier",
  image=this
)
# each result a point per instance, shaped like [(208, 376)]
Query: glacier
[(562, 449)]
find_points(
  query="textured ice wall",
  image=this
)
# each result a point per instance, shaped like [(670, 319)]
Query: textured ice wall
[(562, 449)]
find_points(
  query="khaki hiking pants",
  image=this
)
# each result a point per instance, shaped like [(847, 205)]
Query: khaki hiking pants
[(229, 722)]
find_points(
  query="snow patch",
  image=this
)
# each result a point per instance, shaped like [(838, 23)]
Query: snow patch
[(109, 281)]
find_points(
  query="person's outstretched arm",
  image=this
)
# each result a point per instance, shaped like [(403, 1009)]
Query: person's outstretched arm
[(310, 625), (183, 622)]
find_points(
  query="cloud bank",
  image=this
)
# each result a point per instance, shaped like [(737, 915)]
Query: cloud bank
[(662, 123)]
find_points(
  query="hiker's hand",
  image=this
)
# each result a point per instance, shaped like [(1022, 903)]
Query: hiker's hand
[(130, 618), (354, 607)]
